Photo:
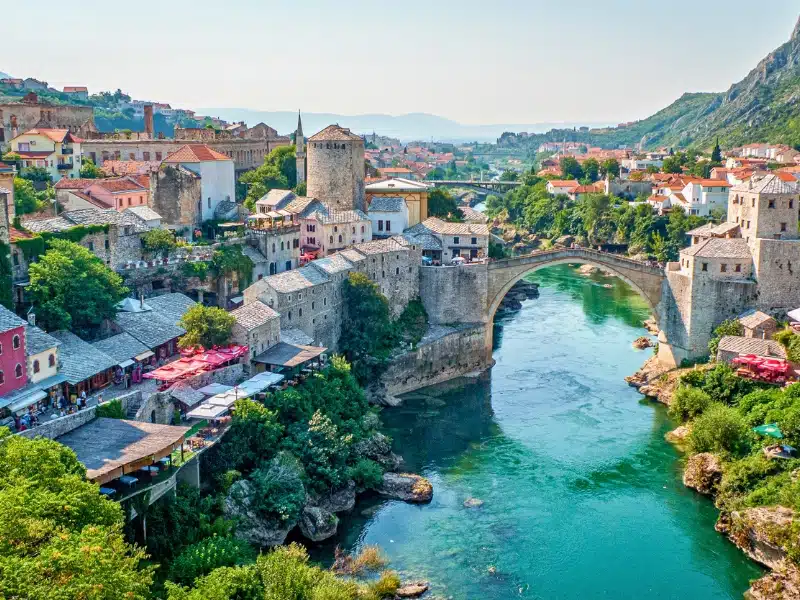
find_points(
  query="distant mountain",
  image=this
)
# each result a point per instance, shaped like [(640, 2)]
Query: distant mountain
[(414, 126), (4, 75), (763, 107)]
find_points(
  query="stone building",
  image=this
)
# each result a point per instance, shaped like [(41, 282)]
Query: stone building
[(176, 194), (327, 230), (217, 179), (19, 116), (415, 194), (310, 298), (388, 216), (336, 168), (759, 325), (744, 264), (443, 241), (257, 326)]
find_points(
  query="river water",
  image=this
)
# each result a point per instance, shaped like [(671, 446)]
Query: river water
[(582, 496)]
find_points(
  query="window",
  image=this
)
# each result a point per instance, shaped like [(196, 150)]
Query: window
[(738, 268), (362, 229), (388, 225), (397, 271), (18, 371), (474, 241), (282, 246), (312, 306), (209, 202), (771, 204), (354, 229), (145, 156), (705, 266), (791, 203), (380, 225), (158, 155), (299, 312), (36, 366), (335, 229), (15, 342), (290, 315), (754, 202), (456, 240), (91, 246), (273, 247), (288, 265), (331, 239), (723, 268), (783, 226), (340, 239), (2, 378), (324, 302), (1, 348), (383, 274), (106, 242)]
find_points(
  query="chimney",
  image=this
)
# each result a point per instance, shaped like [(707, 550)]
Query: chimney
[(148, 120), (141, 301)]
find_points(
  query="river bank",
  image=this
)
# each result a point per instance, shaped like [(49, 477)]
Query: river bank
[(551, 480)]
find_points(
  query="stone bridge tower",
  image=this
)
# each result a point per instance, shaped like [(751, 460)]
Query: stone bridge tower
[(336, 168)]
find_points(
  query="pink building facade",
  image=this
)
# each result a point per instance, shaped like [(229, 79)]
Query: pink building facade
[(13, 362)]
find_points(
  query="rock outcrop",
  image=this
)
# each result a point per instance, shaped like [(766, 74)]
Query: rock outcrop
[(703, 473), (342, 500), (760, 533), (678, 435), (251, 526), (412, 590), (379, 448), (407, 487), (781, 584), (643, 342), (318, 524)]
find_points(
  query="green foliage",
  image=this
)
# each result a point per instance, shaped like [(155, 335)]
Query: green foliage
[(72, 289), (26, 199), (791, 342), (206, 326), (366, 473), (323, 451), (211, 553), (38, 174), (441, 203), (33, 248), (672, 164), (110, 410), (89, 170), (230, 260), (509, 176), (279, 490), (58, 536), (729, 327), (412, 324), (497, 251), (6, 276), (570, 168), (195, 269), (591, 169), (610, 168), (158, 241), (386, 586), (720, 429), (688, 402), (279, 171)]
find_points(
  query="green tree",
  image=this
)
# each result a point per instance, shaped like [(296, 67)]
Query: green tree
[(729, 327), (90, 171), (60, 538), (158, 241), (279, 171), (716, 153), (672, 164), (509, 175), (688, 402), (38, 174), (26, 199), (72, 289), (591, 169), (211, 553), (570, 168), (720, 429), (441, 203), (610, 168), (206, 326)]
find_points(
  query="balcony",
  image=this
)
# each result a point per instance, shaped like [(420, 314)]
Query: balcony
[(64, 166)]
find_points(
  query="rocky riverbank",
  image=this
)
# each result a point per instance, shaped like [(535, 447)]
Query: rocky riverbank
[(317, 520), (520, 291)]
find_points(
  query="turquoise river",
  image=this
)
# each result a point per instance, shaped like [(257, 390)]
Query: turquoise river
[(582, 497)]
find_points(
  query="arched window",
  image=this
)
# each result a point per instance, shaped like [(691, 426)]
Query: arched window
[(51, 360), (15, 342), (152, 416), (354, 229), (331, 239), (290, 315), (36, 366), (340, 239), (362, 229), (281, 246), (299, 312), (273, 246), (2, 378), (335, 229), (18, 370)]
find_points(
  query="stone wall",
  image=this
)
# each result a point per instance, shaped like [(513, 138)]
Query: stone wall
[(778, 273), (279, 246), (454, 294), (157, 408), (17, 118), (336, 173), (176, 196), (58, 427), (445, 353)]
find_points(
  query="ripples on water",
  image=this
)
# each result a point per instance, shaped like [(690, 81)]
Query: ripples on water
[(582, 496)]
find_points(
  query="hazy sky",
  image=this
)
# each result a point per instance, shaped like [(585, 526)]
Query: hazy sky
[(478, 62)]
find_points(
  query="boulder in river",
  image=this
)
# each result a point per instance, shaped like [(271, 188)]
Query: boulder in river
[(378, 448), (678, 435), (341, 500), (642, 342), (318, 524), (473, 503), (703, 473), (412, 590), (251, 526), (407, 487)]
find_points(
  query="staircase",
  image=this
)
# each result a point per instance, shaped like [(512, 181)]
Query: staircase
[(134, 405)]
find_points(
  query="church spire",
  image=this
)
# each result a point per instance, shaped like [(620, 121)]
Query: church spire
[(300, 151), (299, 139)]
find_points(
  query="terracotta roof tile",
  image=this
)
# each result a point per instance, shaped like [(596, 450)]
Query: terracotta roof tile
[(334, 133), (193, 153)]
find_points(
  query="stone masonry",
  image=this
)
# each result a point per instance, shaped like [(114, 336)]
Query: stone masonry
[(336, 168)]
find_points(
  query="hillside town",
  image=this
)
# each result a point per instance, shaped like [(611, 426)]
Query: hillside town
[(209, 329)]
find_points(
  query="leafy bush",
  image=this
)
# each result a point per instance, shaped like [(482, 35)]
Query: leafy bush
[(205, 556), (280, 493), (322, 450), (742, 476), (158, 241), (720, 429), (729, 327), (791, 342), (386, 586), (111, 410), (366, 473), (688, 402)]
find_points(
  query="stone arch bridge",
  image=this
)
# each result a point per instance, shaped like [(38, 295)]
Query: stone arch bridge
[(645, 278)]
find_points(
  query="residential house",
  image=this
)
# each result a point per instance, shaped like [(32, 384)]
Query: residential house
[(78, 92), (415, 194), (334, 230), (42, 352), (443, 241), (759, 325), (216, 173), (389, 216), (155, 321), (13, 371), (56, 150), (84, 367), (12, 82), (397, 172), (258, 327), (731, 346), (118, 193), (559, 187), (34, 84)]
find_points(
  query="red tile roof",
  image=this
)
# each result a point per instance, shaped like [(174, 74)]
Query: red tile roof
[(75, 88), (193, 153), (119, 184), (91, 199), (33, 155), (73, 184), (59, 136), (15, 234)]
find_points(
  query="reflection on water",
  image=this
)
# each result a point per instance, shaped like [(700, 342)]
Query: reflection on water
[(581, 495)]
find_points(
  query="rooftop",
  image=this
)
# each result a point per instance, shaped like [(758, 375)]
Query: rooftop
[(85, 216), (387, 204), (289, 355), (158, 325), (328, 216), (275, 199), (765, 184), (37, 341), (121, 347), (145, 213), (743, 345), (719, 248), (9, 320), (336, 263), (110, 448), (755, 319), (437, 225), (195, 153), (115, 185), (253, 315), (296, 280), (80, 360), (335, 133)]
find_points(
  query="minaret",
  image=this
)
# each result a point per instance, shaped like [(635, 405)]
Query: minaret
[(300, 152)]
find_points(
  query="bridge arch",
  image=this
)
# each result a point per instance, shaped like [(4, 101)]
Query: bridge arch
[(643, 278)]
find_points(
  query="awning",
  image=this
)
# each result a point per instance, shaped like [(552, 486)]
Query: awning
[(794, 315), (237, 299), (207, 411), (289, 355), (144, 355), (26, 400), (212, 389), (126, 363)]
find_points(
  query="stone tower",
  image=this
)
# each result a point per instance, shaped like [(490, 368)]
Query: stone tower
[(336, 168), (300, 151)]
